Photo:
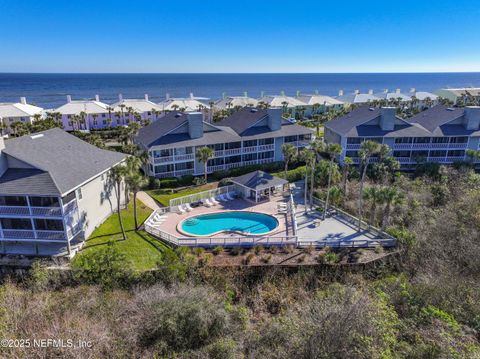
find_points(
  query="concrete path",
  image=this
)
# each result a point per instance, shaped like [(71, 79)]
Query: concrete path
[(148, 201)]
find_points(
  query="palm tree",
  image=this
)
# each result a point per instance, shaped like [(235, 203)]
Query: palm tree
[(392, 197), (204, 154), (367, 150), (122, 113), (132, 130), (335, 195), (309, 158), (373, 195), (118, 174), (347, 162), (333, 149), (289, 152), (94, 116), (136, 182), (473, 156), (211, 104), (82, 119)]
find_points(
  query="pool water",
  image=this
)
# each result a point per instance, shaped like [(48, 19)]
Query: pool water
[(245, 222)]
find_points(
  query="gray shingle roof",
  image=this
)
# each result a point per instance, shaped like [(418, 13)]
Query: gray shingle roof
[(237, 127), (436, 116), (149, 135), (258, 180), (27, 181), (342, 125), (241, 120), (68, 160)]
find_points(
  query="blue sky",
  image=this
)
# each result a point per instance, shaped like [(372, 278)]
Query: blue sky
[(252, 36)]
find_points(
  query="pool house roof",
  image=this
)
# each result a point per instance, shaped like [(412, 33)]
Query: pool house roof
[(258, 180)]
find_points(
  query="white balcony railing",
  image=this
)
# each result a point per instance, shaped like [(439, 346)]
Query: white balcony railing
[(353, 146), (184, 157), (232, 151), (408, 146), (263, 148), (215, 168), (157, 160), (251, 149), (32, 211), (185, 172)]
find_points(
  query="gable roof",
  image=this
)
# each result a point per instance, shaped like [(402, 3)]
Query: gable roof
[(357, 98), (241, 120), (319, 99), (18, 110), (342, 125), (258, 180), (234, 101), (278, 101), (188, 104), (76, 106), (27, 181), (68, 160), (151, 134), (393, 95), (437, 116), (139, 105), (422, 95)]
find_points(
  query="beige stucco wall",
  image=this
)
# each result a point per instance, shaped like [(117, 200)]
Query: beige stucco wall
[(99, 201)]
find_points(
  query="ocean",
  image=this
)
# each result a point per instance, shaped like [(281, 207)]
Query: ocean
[(50, 90)]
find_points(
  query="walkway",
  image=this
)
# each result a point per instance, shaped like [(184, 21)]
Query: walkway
[(148, 201)]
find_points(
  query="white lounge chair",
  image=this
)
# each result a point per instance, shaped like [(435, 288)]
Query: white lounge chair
[(180, 209), (230, 196), (188, 207), (223, 198), (207, 203), (214, 201)]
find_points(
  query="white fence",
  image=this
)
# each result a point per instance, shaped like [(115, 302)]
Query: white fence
[(200, 195)]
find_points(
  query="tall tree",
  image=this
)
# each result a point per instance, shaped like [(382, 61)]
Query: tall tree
[(136, 182), (289, 152), (392, 197), (367, 150), (333, 149), (204, 154), (118, 174), (347, 162), (309, 158), (374, 196)]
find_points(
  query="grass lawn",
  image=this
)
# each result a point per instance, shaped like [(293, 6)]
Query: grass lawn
[(163, 196), (140, 248)]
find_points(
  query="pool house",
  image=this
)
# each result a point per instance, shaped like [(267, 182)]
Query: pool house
[(258, 186)]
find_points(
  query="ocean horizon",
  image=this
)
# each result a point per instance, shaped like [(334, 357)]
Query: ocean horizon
[(49, 90)]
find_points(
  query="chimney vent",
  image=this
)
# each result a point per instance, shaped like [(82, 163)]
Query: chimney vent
[(340, 93), (370, 92), (146, 97), (97, 98), (69, 98), (120, 97), (23, 100), (167, 96), (357, 92)]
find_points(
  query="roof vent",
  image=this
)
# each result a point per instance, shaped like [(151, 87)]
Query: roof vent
[(371, 109), (253, 110), (178, 115), (450, 109), (33, 137)]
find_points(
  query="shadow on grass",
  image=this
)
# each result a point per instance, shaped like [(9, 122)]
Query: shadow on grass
[(150, 241)]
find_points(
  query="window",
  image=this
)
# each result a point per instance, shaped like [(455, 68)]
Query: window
[(249, 143), (401, 153), (44, 202), (440, 140), (354, 140), (68, 198), (232, 145), (438, 153), (183, 166), (48, 224), (16, 223), (104, 122), (104, 115), (250, 157), (459, 140), (79, 194), (456, 153), (149, 113), (290, 139), (264, 155), (351, 154), (13, 201), (265, 141), (421, 140)]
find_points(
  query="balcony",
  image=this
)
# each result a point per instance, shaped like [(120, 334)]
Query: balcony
[(26, 234), (233, 165), (263, 148), (184, 157), (215, 168), (251, 149), (219, 153), (35, 211), (353, 146), (446, 146), (185, 172), (232, 151), (158, 160)]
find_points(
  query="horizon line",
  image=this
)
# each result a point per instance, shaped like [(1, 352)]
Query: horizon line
[(235, 73)]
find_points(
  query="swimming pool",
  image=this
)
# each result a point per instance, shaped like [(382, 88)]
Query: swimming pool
[(251, 223)]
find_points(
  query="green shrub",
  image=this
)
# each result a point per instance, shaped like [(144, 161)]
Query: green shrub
[(217, 250), (267, 258), (235, 251), (249, 258), (186, 180), (198, 251), (180, 319), (257, 249), (106, 266), (301, 258), (330, 257), (309, 249), (172, 268), (403, 235)]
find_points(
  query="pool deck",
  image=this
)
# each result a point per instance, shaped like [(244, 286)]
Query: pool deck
[(269, 207)]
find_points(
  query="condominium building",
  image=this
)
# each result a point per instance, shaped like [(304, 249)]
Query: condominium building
[(18, 112), (54, 191), (125, 111), (231, 102), (249, 136), (454, 94), (189, 104), (315, 104), (424, 98), (438, 134), (84, 114), (356, 97), (395, 95)]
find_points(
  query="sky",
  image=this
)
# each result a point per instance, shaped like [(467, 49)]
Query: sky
[(213, 36)]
